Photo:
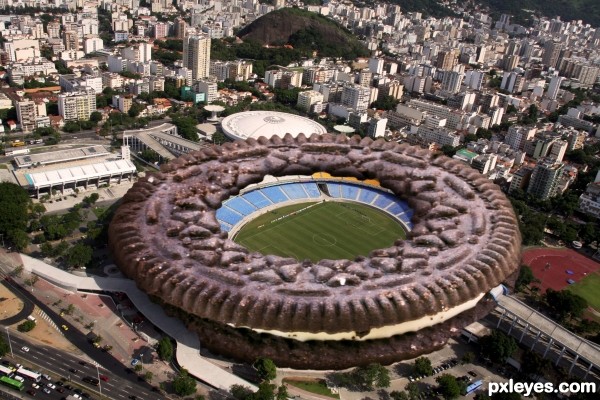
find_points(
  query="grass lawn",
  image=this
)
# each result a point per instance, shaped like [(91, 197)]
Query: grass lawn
[(589, 289), (318, 387), (320, 230)]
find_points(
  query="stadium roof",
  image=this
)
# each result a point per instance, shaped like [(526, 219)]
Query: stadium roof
[(55, 157), (254, 124), (77, 174)]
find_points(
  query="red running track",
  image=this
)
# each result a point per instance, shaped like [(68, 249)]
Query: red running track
[(559, 261)]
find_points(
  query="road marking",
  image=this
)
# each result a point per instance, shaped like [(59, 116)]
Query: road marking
[(34, 357)]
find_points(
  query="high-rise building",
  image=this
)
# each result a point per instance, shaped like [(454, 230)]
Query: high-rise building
[(376, 65), (445, 59), (517, 136), (196, 55), (451, 81), (71, 40), (307, 98), (356, 97), (53, 29), (180, 28), (26, 114), (77, 106), (551, 53), (544, 179), (553, 87)]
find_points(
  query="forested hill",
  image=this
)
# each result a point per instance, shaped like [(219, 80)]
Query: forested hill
[(586, 10), (304, 30)]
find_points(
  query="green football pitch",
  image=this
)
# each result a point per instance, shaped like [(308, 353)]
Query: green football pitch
[(588, 289), (320, 230)]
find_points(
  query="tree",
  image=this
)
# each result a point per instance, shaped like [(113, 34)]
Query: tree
[(4, 347), (532, 364), (165, 349), (240, 392), (371, 376), (138, 368), (497, 346), (26, 326), (565, 304), (96, 116), (468, 357), (184, 384), (525, 278), (14, 207), (422, 366), (266, 369), (399, 395), (449, 386), (413, 390), (282, 393), (79, 255), (148, 376)]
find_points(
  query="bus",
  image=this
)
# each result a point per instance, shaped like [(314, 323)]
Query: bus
[(473, 387), (5, 370), (12, 383), (32, 376), (12, 151)]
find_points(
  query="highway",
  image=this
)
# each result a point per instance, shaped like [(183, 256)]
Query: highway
[(60, 365), (122, 381)]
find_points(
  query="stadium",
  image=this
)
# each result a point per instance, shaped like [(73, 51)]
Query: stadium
[(320, 252), (255, 124)]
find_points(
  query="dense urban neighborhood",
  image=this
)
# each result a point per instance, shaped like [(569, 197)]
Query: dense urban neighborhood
[(274, 199)]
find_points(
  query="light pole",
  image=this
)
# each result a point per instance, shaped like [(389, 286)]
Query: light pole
[(98, 373), (9, 343), (142, 360)]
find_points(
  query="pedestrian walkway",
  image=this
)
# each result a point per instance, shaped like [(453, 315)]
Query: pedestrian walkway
[(188, 345), (45, 316)]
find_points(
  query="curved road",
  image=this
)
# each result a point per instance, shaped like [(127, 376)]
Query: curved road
[(21, 315), (104, 359)]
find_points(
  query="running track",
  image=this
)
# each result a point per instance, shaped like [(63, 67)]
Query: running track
[(559, 261)]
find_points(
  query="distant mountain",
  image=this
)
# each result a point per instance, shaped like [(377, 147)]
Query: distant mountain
[(306, 31), (586, 10)]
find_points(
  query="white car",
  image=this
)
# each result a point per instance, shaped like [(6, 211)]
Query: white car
[(19, 378), (35, 386), (51, 385), (25, 349)]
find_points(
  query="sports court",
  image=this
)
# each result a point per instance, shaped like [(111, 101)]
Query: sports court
[(555, 267), (320, 230)]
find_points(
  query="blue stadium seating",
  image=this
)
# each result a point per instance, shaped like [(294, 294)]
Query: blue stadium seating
[(350, 192), (382, 201), (367, 195), (225, 227), (396, 208), (311, 189), (294, 191), (226, 215), (274, 194), (334, 190), (240, 205), (257, 199)]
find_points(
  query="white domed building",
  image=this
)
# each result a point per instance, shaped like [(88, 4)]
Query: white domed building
[(254, 124)]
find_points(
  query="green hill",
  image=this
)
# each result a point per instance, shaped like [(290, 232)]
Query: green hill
[(304, 31), (586, 10)]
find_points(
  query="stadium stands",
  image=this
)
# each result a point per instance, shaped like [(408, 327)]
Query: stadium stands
[(236, 208)]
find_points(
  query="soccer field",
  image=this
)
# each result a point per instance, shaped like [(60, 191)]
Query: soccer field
[(588, 289), (317, 230)]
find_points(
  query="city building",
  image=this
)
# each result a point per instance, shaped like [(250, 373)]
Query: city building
[(196, 55), (307, 98), (77, 105), (589, 201), (545, 178), (26, 114)]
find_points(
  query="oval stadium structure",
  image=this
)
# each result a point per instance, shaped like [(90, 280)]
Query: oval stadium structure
[(174, 235), (254, 124)]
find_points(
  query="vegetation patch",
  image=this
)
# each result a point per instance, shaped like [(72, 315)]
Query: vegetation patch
[(314, 386), (588, 289)]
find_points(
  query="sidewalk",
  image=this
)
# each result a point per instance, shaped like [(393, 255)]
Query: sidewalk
[(188, 344)]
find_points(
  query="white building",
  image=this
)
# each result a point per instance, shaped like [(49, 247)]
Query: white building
[(307, 98), (356, 97), (77, 106)]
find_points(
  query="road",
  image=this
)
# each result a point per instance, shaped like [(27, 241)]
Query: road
[(60, 366), (21, 315), (58, 362)]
